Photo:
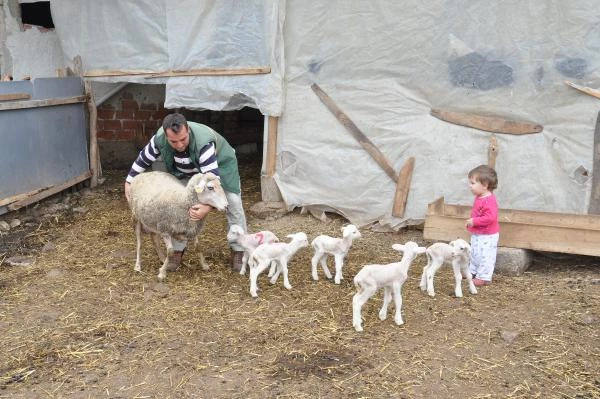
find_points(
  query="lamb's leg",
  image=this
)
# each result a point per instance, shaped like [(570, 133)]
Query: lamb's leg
[(387, 298), (397, 294), (244, 263), (162, 272), (138, 255), (431, 270), (457, 280), (324, 266), (423, 284), (314, 262), (358, 300), (255, 270), (284, 271), (273, 269), (339, 263), (203, 263), (469, 277), (158, 246), (275, 276)]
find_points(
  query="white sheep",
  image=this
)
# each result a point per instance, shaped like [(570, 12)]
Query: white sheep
[(337, 247), (160, 204), (249, 241), (457, 253), (390, 277), (279, 252)]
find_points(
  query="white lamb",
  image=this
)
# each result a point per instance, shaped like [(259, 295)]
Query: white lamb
[(337, 247), (249, 241), (457, 253), (390, 277), (279, 252), (160, 204)]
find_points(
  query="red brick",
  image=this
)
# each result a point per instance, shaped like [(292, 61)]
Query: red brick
[(105, 134), (125, 135), (99, 124), (106, 106), (125, 114), (142, 115), (129, 104), (160, 114), (106, 113), (152, 125), (133, 125), (150, 107), (127, 95), (112, 124)]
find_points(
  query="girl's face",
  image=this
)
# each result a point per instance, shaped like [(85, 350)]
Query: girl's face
[(476, 187)]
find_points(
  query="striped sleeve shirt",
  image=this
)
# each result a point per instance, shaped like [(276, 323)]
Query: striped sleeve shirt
[(207, 160)]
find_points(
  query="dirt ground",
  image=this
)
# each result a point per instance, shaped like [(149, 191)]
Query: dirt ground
[(80, 323)]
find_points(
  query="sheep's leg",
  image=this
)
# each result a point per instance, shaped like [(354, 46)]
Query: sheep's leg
[(314, 262), (162, 272), (275, 275), (284, 271), (324, 266), (203, 263), (273, 270), (244, 263), (255, 270), (431, 270), (339, 263), (387, 298), (158, 246), (358, 300), (423, 283), (457, 280), (397, 294), (469, 277), (138, 255)]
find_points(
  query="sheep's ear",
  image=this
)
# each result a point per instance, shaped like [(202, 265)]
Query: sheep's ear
[(200, 186), (291, 236), (398, 247), (421, 250)]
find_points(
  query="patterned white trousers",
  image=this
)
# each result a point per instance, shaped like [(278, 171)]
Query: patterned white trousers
[(483, 255)]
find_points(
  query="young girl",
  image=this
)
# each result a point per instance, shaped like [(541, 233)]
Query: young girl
[(483, 224)]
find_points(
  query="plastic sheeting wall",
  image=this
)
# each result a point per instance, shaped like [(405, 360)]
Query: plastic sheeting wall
[(181, 35), (386, 64)]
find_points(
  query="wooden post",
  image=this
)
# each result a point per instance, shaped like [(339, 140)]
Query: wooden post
[(93, 114), (272, 146), (402, 187), (594, 207), (492, 151)]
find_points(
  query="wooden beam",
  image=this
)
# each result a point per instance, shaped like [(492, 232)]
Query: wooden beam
[(541, 231), (19, 197), (594, 206), (492, 151), (93, 118), (584, 89), (176, 73), (48, 192), (42, 103), (487, 123), (271, 146), (402, 187), (15, 96)]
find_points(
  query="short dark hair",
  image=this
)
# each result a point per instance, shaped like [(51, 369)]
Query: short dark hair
[(485, 175), (174, 122)]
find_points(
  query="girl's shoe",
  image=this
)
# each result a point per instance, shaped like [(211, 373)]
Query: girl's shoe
[(480, 283)]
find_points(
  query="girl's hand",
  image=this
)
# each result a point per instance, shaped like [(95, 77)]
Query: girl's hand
[(469, 222)]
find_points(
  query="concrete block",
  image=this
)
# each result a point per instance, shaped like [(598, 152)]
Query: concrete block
[(269, 190), (513, 261)]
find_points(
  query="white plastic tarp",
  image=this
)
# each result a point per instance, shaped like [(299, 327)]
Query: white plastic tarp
[(386, 64), (181, 35)]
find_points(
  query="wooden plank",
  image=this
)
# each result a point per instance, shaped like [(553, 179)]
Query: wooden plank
[(271, 146), (356, 133), (46, 193), (93, 118), (487, 123), (402, 187), (19, 197), (42, 103), (176, 73), (98, 73), (492, 151), (15, 96), (594, 206), (542, 231), (584, 89)]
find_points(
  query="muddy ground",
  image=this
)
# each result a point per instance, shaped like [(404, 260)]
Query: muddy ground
[(80, 323)]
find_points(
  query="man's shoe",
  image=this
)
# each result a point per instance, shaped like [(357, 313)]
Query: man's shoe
[(237, 258), (480, 283), (175, 261)]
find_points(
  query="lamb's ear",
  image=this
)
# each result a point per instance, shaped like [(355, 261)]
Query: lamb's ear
[(398, 247), (291, 235), (200, 186), (421, 250)]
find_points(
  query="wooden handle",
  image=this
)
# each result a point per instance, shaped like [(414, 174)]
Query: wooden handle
[(355, 131)]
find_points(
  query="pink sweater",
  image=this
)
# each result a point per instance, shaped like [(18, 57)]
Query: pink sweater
[(485, 215)]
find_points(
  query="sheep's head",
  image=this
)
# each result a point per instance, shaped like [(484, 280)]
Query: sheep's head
[(460, 248), (208, 190), (235, 231), (351, 231), (299, 238)]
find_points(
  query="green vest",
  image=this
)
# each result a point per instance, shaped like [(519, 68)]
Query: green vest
[(201, 135)]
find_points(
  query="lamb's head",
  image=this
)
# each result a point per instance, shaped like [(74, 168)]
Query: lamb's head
[(207, 187), (410, 249), (351, 231), (299, 239), (460, 248), (235, 232)]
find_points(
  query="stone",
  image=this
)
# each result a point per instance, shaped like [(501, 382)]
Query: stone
[(23, 261), (48, 247), (15, 223), (4, 226), (266, 209), (509, 336), (80, 209), (54, 273), (513, 261)]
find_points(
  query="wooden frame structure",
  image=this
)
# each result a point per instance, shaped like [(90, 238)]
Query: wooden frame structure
[(541, 231)]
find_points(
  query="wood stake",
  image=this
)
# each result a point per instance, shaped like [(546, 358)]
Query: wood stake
[(93, 115), (41, 103), (584, 89), (402, 187), (487, 123), (271, 146), (176, 73)]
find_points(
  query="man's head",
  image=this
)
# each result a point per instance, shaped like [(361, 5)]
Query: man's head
[(177, 131)]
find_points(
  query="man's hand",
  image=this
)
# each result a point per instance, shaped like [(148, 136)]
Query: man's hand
[(127, 190), (469, 222), (199, 211)]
